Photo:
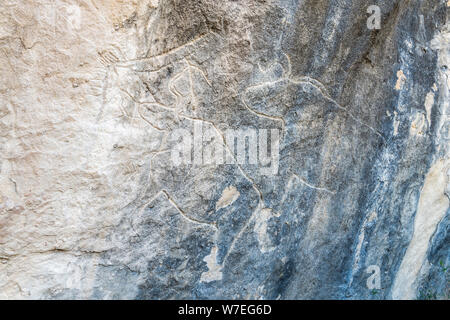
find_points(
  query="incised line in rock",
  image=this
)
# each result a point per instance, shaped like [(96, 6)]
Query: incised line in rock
[(177, 207)]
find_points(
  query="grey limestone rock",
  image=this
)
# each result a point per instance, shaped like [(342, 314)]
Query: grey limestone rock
[(352, 204)]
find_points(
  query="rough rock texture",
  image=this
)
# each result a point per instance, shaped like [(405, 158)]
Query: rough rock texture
[(91, 205)]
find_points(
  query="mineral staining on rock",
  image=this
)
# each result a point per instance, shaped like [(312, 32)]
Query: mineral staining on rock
[(433, 204), (229, 195), (214, 273), (401, 79), (92, 205)]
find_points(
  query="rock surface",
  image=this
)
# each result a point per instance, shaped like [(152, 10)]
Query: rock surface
[(92, 205)]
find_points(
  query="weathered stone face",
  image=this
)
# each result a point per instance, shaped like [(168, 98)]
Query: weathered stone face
[(98, 96)]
